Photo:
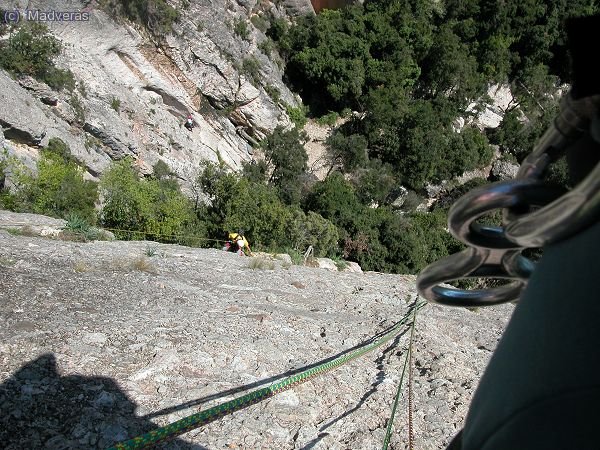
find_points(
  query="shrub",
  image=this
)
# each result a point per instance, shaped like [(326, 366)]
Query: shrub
[(60, 149), (115, 104), (375, 183), (12, 167), (161, 170), (255, 171), (31, 51), (154, 208), (58, 189), (273, 92), (143, 265), (78, 109), (80, 267), (339, 262), (267, 47), (59, 79), (251, 68), (335, 200), (156, 15), (297, 115), (311, 229), (277, 29), (260, 22), (348, 151), (296, 256), (240, 27), (261, 264), (151, 250), (79, 227), (328, 119)]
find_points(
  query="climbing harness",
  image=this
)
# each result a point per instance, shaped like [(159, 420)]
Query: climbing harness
[(534, 215), (216, 412)]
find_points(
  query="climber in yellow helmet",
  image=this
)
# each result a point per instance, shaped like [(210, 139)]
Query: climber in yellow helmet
[(238, 242)]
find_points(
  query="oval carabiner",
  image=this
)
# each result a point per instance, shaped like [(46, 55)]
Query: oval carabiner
[(475, 263), (565, 216), (500, 195)]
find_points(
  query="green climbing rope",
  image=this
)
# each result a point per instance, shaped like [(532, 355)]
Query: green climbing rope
[(388, 433), (204, 417)]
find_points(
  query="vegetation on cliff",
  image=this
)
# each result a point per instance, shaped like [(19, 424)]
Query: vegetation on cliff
[(407, 69)]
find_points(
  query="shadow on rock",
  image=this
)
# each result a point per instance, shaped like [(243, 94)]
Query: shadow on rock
[(380, 377), (39, 408)]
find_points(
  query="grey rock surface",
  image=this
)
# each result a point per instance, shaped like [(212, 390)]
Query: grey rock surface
[(504, 170), (298, 7), (100, 342)]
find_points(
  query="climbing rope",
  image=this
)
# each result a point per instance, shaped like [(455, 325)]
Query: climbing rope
[(176, 237), (162, 235), (411, 431), (407, 362), (216, 412)]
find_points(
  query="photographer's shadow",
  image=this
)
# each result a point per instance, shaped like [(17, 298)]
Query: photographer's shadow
[(39, 408)]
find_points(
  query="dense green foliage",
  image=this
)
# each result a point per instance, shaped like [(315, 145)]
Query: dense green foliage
[(57, 189), (256, 207), (155, 207), (286, 160), (412, 67), (31, 51), (378, 238), (428, 48)]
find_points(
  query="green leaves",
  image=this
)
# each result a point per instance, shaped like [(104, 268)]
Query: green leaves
[(156, 15), (31, 51), (57, 189), (348, 151), (155, 207), (286, 157)]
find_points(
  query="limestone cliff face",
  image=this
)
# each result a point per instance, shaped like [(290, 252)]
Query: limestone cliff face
[(133, 95)]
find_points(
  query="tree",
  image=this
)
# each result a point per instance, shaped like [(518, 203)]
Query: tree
[(156, 209), (156, 15), (349, 152), (334, 199), (311, 229), (255, 171), (450, 69), (286, 157), (374, 183)]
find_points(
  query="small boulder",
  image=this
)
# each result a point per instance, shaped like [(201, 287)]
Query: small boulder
[(504, 170), (351, 266), (284, 258)]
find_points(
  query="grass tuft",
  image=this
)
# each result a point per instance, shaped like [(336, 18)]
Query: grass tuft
[(261, 264), (151, 250), (81, 267), (143, 265)]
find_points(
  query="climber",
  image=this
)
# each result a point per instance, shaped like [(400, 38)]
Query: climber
[(189, 123), (239, 243)]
